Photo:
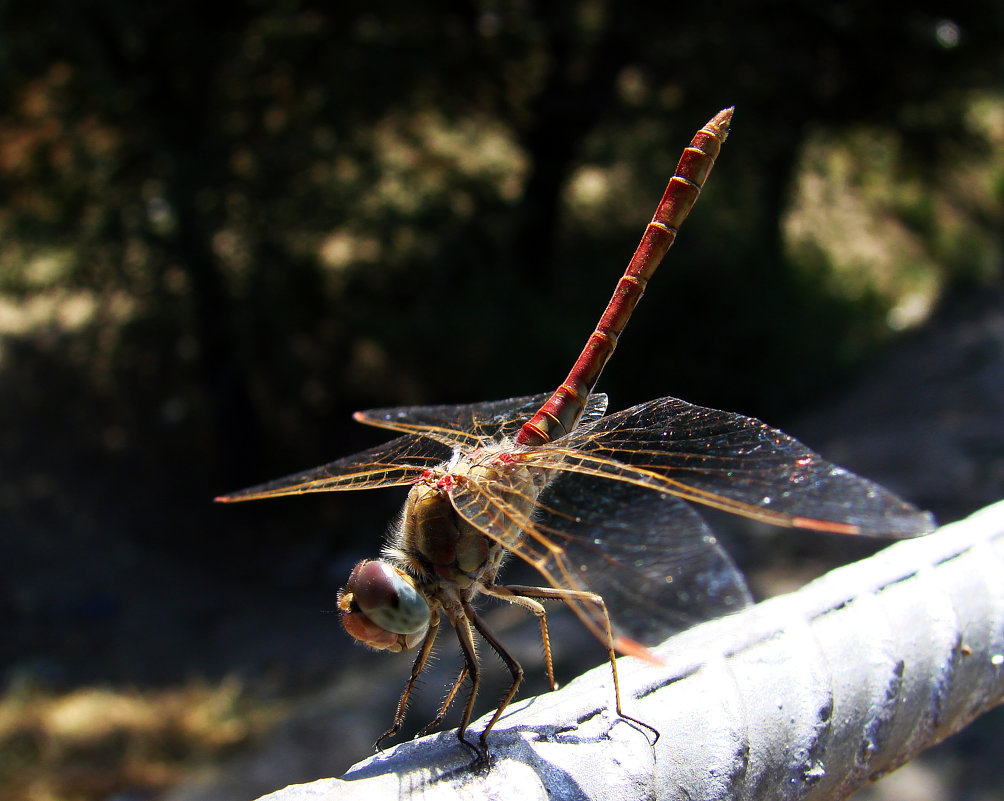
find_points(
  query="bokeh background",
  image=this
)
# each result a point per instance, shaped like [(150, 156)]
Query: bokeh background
[(227, 226)]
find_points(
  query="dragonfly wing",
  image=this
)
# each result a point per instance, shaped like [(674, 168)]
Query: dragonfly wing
[(391, 464), (431, 435), (596, 407), (732, 462), (471, 424), (649, 556)]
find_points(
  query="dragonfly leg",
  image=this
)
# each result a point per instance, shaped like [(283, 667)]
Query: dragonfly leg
[(447, 703), (416, 668), (463, 628), (514, 667), (576, 599), (504, 593)]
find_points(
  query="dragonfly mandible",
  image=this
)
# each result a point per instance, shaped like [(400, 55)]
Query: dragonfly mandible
[(600, 505)]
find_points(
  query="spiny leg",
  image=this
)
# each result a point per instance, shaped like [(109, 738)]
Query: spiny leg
[(463, 628), (416, 668), (567, 596), (447, 703), (504, 593), (514, 667)]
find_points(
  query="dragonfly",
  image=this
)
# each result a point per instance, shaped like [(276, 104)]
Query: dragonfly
[(601, 505)]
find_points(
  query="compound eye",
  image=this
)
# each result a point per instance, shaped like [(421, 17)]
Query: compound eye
[(380, 602)]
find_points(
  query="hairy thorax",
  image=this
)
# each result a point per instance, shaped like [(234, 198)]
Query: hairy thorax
[(439, 545)]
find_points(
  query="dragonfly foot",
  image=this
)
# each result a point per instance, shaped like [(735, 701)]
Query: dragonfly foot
[(378, 745), (640, 724), (482, 759)]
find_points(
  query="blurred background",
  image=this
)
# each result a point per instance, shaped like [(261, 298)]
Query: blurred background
[(227, 226)]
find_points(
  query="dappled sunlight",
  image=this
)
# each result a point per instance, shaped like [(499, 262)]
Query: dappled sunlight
[(424, 155), (342, 249), (94, 742), (844, 207), (424, 164), (595, 192), (62, 311), (887, 229)]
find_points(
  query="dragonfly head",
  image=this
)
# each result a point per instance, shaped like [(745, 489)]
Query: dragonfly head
[(382, 607)]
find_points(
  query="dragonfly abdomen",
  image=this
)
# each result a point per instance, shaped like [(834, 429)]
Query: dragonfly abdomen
[(560, 414)]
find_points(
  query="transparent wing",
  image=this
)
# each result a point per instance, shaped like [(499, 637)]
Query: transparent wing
[(391, 464), (470, 425), (650, 557), (731, 462), (433, 433)]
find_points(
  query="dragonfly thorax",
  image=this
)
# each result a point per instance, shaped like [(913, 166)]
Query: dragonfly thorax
[(437, 556), (437, 540)]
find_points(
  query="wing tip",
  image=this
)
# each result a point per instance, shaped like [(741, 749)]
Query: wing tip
[(907, 525), (629, 647), (922, 523)]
